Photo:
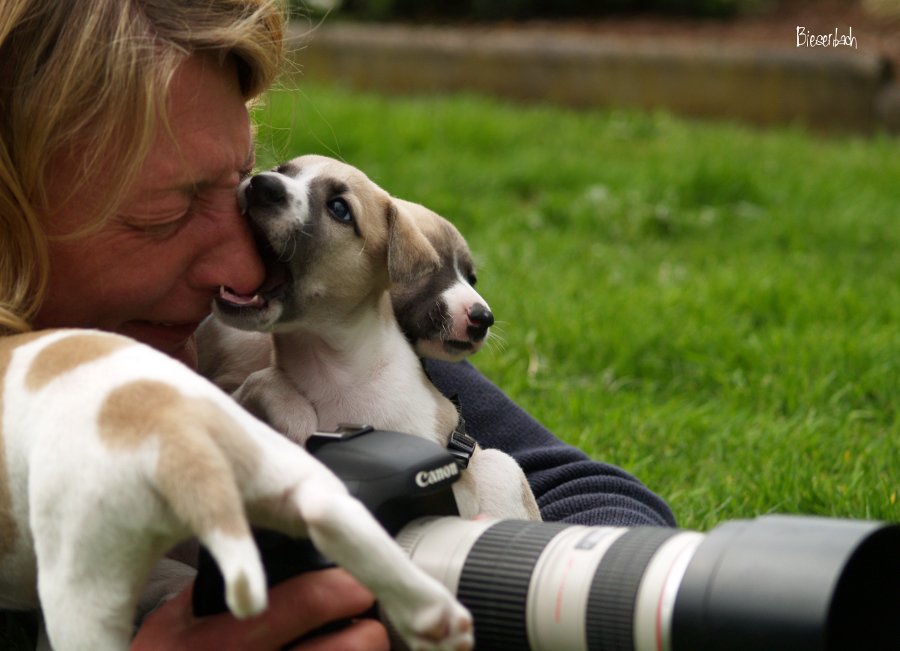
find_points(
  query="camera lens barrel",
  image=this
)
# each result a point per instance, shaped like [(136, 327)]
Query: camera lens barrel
[(495, 579), (551, 586), (771, 583)]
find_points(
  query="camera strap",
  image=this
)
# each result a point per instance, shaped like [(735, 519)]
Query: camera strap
[(460, 445)]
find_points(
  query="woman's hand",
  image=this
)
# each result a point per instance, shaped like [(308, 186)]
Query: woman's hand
[(296, 607)]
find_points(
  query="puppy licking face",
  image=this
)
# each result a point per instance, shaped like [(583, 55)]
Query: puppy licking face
[(441, 314), (332, 242)]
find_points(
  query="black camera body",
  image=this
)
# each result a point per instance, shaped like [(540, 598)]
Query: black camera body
[(776, 582)]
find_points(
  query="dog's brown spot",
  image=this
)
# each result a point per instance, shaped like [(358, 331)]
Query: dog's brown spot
[(69, 353), (203, 453), (9, 529)]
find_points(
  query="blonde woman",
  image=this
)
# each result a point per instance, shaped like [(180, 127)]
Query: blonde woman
[(124, 133)]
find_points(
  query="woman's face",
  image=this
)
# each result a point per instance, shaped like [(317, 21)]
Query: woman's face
[(151, 273)]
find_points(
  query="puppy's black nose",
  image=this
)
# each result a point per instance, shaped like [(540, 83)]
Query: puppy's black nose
[(265, 190), (480, 319)]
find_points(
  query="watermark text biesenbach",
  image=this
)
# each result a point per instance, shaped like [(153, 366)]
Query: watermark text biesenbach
[(836, 39)]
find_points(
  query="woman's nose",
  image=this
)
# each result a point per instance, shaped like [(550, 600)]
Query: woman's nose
[(231, 259)]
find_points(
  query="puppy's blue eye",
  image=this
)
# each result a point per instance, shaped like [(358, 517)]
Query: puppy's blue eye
[(340, 210)]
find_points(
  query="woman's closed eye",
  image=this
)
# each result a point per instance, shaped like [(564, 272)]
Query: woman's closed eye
[(161, 225)]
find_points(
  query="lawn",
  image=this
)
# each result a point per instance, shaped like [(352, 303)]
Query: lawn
[(711, 307)]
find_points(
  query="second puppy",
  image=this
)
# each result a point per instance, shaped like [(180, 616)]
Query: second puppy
[(440, 313), (334, 242)]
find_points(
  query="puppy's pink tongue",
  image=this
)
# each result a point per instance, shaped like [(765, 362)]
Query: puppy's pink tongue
[(229, 296)]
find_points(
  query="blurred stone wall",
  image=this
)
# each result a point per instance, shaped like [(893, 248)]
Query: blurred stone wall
[(827, 89)]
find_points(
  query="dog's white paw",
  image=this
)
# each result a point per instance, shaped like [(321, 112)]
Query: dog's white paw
[(246, 596), (444, 625)]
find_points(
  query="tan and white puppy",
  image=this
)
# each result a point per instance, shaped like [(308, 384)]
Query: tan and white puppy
[(334, 242), (441, 313), (111, 452)]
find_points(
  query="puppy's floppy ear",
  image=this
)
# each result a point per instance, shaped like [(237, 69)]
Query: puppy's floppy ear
[(410, 254)]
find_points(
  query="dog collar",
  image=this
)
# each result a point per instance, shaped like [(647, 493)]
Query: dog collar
[(460, 445)]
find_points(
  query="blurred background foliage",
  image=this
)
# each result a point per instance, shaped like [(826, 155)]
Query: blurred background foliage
[(493, 10)]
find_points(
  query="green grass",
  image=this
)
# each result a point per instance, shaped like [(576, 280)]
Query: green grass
[(714, 308)]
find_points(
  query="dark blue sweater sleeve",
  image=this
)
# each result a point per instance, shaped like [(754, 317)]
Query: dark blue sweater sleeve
[(568, 485)]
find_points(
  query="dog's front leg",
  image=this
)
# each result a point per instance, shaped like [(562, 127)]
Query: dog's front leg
[(270, 395), (501, 486), (89, 606), (421, 609), (299, 496)]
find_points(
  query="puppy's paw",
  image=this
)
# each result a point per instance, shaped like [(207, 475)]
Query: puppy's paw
[(444, 625), (446, 628), (270, 395)]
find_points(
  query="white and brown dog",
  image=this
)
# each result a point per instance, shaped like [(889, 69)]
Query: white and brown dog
[(111, 452), (441, 313), (334, 243)]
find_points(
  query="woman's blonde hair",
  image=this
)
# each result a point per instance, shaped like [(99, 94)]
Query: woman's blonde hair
[(90, 78)]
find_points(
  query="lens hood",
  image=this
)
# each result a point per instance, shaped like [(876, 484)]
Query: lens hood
[(790, 582)]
